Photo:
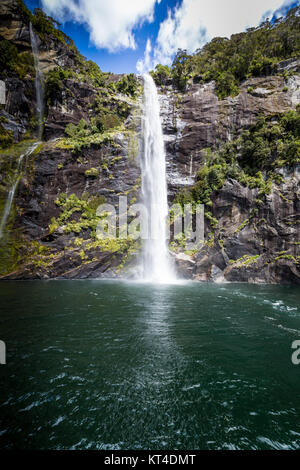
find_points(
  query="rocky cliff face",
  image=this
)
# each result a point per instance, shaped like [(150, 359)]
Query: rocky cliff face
[(249, 236), (19, 110), (52, 224), (252, 242)]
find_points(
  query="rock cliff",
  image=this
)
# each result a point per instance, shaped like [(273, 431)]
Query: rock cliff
[(254, 240)]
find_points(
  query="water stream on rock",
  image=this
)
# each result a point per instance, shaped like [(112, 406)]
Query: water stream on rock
[(14, 186), (40, 110), (156, 265), (39, 88)]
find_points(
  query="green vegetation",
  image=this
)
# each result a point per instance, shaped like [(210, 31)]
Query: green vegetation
[(229, 61), (267, 145), (128, 85), (89, 72), (11, 60), (245, 261), (285, 255), (44, 25), (112, 245), (208, 179), (264, 147), (78, 216), (82, 136), (97, 77), (106, 119), (161, 74), (108, 113), (6, 136), (76, 132), (242, 226), (86, 207), (93, 172), (54, 83)]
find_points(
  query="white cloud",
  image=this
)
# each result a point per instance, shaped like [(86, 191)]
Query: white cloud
[(110, 22), (195, 22), (145, 64)]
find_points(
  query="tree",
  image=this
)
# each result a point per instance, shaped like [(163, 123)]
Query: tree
[(181, 69), (161, 74)]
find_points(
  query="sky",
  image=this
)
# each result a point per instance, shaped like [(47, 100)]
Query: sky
[(124, 36)]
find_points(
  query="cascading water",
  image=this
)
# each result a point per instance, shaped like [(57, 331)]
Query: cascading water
[(39, 88), (156, 265), (13, 188), (40, 110)]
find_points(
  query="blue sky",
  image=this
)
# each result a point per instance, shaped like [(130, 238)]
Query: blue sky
[(124, 36)]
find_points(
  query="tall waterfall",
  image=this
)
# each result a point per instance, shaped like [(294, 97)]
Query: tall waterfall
[(39, 87), (156, 264)]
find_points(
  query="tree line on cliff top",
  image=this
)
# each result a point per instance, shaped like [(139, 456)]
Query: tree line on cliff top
[(252, 53)]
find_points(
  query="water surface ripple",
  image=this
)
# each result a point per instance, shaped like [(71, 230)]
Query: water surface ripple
[(115, 365)]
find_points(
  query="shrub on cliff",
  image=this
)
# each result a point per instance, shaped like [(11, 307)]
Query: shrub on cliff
[(97, 77), (128, 85), (252, 159), (76, 132), (11, 60), (8, 55), (6, 137), (267, 144), (54, 83), (208, 179), (181, 69), (161, 74)]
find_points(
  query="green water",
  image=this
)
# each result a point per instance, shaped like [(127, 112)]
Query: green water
[(112, 365)]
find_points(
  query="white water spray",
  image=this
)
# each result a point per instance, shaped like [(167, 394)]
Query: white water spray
[(39, 80), (156, 264)]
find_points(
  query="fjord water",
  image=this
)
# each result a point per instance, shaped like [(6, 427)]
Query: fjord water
[(156, 264), (115, 365)]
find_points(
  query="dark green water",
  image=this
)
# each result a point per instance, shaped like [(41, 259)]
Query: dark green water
[(111, 365)]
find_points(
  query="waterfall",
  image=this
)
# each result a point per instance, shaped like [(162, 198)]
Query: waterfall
[(40, 110), (39, 88), (191, 166), (12, 191), (156, 264)]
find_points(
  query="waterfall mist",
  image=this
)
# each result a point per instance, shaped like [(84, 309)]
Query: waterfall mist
[(156, 265)]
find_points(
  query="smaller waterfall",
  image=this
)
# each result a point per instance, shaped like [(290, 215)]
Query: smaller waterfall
[(39, 89), (12, 191), (39, 80), (155, 262), (191, 166)]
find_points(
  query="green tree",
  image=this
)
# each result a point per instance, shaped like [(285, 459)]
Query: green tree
[(161, 74), (181, 69)]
